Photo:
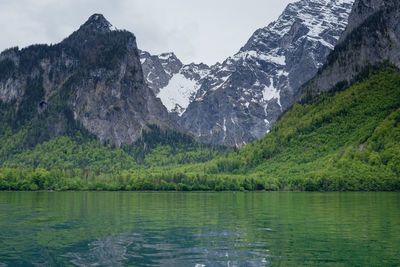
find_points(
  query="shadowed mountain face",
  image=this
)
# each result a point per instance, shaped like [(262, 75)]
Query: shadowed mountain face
[(372, 36), (238, 100), (92, 80)]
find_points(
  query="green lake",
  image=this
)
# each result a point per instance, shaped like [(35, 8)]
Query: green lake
[(199, 229)]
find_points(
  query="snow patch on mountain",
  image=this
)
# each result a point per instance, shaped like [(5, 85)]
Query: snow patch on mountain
[(248, 55), (270, 92), (259, 82), (179, 92), (166, 56)]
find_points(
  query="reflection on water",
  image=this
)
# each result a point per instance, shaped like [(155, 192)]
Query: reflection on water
[(199, 229), (110, 251), (134, 248)]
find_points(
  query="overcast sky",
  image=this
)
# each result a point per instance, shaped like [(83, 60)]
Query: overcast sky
[(196, 30)]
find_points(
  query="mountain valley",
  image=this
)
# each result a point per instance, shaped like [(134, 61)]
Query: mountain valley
[(310, 103)]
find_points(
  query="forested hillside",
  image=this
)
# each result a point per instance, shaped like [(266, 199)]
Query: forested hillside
[(342, 133), (343, 140), (346, 139)]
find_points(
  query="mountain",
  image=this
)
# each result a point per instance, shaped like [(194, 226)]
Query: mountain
[(237, 101), (373, 35), (345, 138), (174, 83), (92, 81), (343, 141), (344, 134), (158, 70)]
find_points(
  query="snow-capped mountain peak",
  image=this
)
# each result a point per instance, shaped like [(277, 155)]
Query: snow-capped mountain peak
[(238, 100)]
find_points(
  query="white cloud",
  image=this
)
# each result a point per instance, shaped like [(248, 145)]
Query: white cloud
[(200, 31)]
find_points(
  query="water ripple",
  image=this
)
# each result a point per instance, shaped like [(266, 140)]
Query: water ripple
[(140, 249)]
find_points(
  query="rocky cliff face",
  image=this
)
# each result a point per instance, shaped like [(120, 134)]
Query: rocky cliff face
[(174, 83), (361, 10), (93, 78), (372, 36), (238, 100), (158, 70)]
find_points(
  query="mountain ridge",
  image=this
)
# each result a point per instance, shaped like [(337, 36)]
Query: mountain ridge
[(345, 138), (373, 38), (92, 78), (240, 99)]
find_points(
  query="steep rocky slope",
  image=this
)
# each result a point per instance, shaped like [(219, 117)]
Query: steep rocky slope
[(158, 70), (373, 35), (343, 137), (238, 100), (92, 80), (174, 83)]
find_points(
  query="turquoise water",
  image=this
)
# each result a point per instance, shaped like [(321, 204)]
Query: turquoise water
[(199, 229)]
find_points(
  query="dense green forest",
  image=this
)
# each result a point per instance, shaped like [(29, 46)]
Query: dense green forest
[(347, 139)]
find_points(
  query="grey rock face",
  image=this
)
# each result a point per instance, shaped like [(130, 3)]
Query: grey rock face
[(372, 36), (95, 74), (237, 101), (9, 85), (174, 83), (158, 70), (361, 10), (98, 23), (183, 88), (241, 98)]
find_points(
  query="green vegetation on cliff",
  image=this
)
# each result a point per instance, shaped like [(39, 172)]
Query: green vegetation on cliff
[(343, 140), (347, 140)]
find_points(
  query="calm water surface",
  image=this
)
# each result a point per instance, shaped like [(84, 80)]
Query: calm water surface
[(199, 229)]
